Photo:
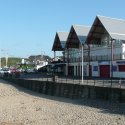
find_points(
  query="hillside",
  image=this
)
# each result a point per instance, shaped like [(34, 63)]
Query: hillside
[(12, 61), (39, 57)]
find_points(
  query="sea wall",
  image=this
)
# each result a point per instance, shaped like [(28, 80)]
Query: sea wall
[(73, 91)]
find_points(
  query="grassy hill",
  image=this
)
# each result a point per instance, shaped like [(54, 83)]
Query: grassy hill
[(12, 61)]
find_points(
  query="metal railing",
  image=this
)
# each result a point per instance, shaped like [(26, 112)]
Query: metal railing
[(102, 82), (96, 58)]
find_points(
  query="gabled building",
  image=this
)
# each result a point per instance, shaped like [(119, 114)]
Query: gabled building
[(59, 45), (60, 41), (76, 38), (96, 51), (106, 41)]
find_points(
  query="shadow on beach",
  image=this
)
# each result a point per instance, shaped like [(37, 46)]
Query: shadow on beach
[(104, 106)]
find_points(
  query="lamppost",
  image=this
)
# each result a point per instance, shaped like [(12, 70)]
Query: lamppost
[(112, 58), (82, 64), (6, 57), (0, 61)]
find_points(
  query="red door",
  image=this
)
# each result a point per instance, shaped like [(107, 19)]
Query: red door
[(105, 71)]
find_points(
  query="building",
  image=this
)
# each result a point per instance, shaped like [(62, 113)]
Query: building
[(96, 51), (107, 47), (76, 39), (59, 64)]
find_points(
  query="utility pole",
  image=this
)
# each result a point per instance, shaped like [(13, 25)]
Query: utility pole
[(6, 59), (82, 64), (0, 61)]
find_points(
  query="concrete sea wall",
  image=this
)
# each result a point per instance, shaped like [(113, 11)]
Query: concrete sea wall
[(73, 91)]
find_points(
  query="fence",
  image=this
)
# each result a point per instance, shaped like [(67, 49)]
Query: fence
[(96, 58), (111, 83)]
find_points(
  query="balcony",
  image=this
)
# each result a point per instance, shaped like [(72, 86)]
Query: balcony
[(96, 58)]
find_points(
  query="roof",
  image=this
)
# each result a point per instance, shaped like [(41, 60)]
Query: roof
[(77, 35), (60, 41), (82, 32), (114, 27)]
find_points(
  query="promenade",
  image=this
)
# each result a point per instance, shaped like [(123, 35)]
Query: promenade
[(102, 82), (19, 106)]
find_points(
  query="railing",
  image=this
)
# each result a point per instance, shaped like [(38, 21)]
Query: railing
[(111, 83), (96, 58)]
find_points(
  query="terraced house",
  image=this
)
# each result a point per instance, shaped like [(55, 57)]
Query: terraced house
[(96, 51)]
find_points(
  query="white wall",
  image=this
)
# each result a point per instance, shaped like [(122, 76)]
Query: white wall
[(41, 65), (95, 73), (119, 74), (100, 51), (123, 51), (116, 74)]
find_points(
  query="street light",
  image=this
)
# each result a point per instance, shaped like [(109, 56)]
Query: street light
[(82, 64), (6, 57)]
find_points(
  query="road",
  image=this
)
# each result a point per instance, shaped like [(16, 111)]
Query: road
[(23, 107)]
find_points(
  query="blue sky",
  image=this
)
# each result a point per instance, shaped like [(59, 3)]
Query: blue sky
[(28, 27)]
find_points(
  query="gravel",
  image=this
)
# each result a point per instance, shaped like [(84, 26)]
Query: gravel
[(19, 106)]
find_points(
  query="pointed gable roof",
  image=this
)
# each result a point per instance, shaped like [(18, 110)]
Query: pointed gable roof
[(106, 25), (77, 36), (60, 41), (115, 27)]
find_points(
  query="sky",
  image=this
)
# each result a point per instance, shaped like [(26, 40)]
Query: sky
[(28, 27)]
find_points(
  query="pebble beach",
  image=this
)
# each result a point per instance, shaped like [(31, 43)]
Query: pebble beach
[(19, 106)]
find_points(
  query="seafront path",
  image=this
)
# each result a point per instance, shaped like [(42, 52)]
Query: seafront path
[(102, 82), (19, 106)]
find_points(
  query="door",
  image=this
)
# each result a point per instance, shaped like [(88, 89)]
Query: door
[(105, 71), (71, 70)]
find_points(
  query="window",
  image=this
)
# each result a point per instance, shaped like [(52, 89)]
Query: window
[(95, 68), (114, 68), (118, 42), (121, 68)]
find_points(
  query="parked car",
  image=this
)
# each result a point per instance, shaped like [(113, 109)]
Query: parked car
[(30, 70), (4, 71), (14, 71)]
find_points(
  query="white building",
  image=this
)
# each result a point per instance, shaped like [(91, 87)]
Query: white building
[(41, 64), (59, 45), (75, 40), (103, 51), (106, 39)]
